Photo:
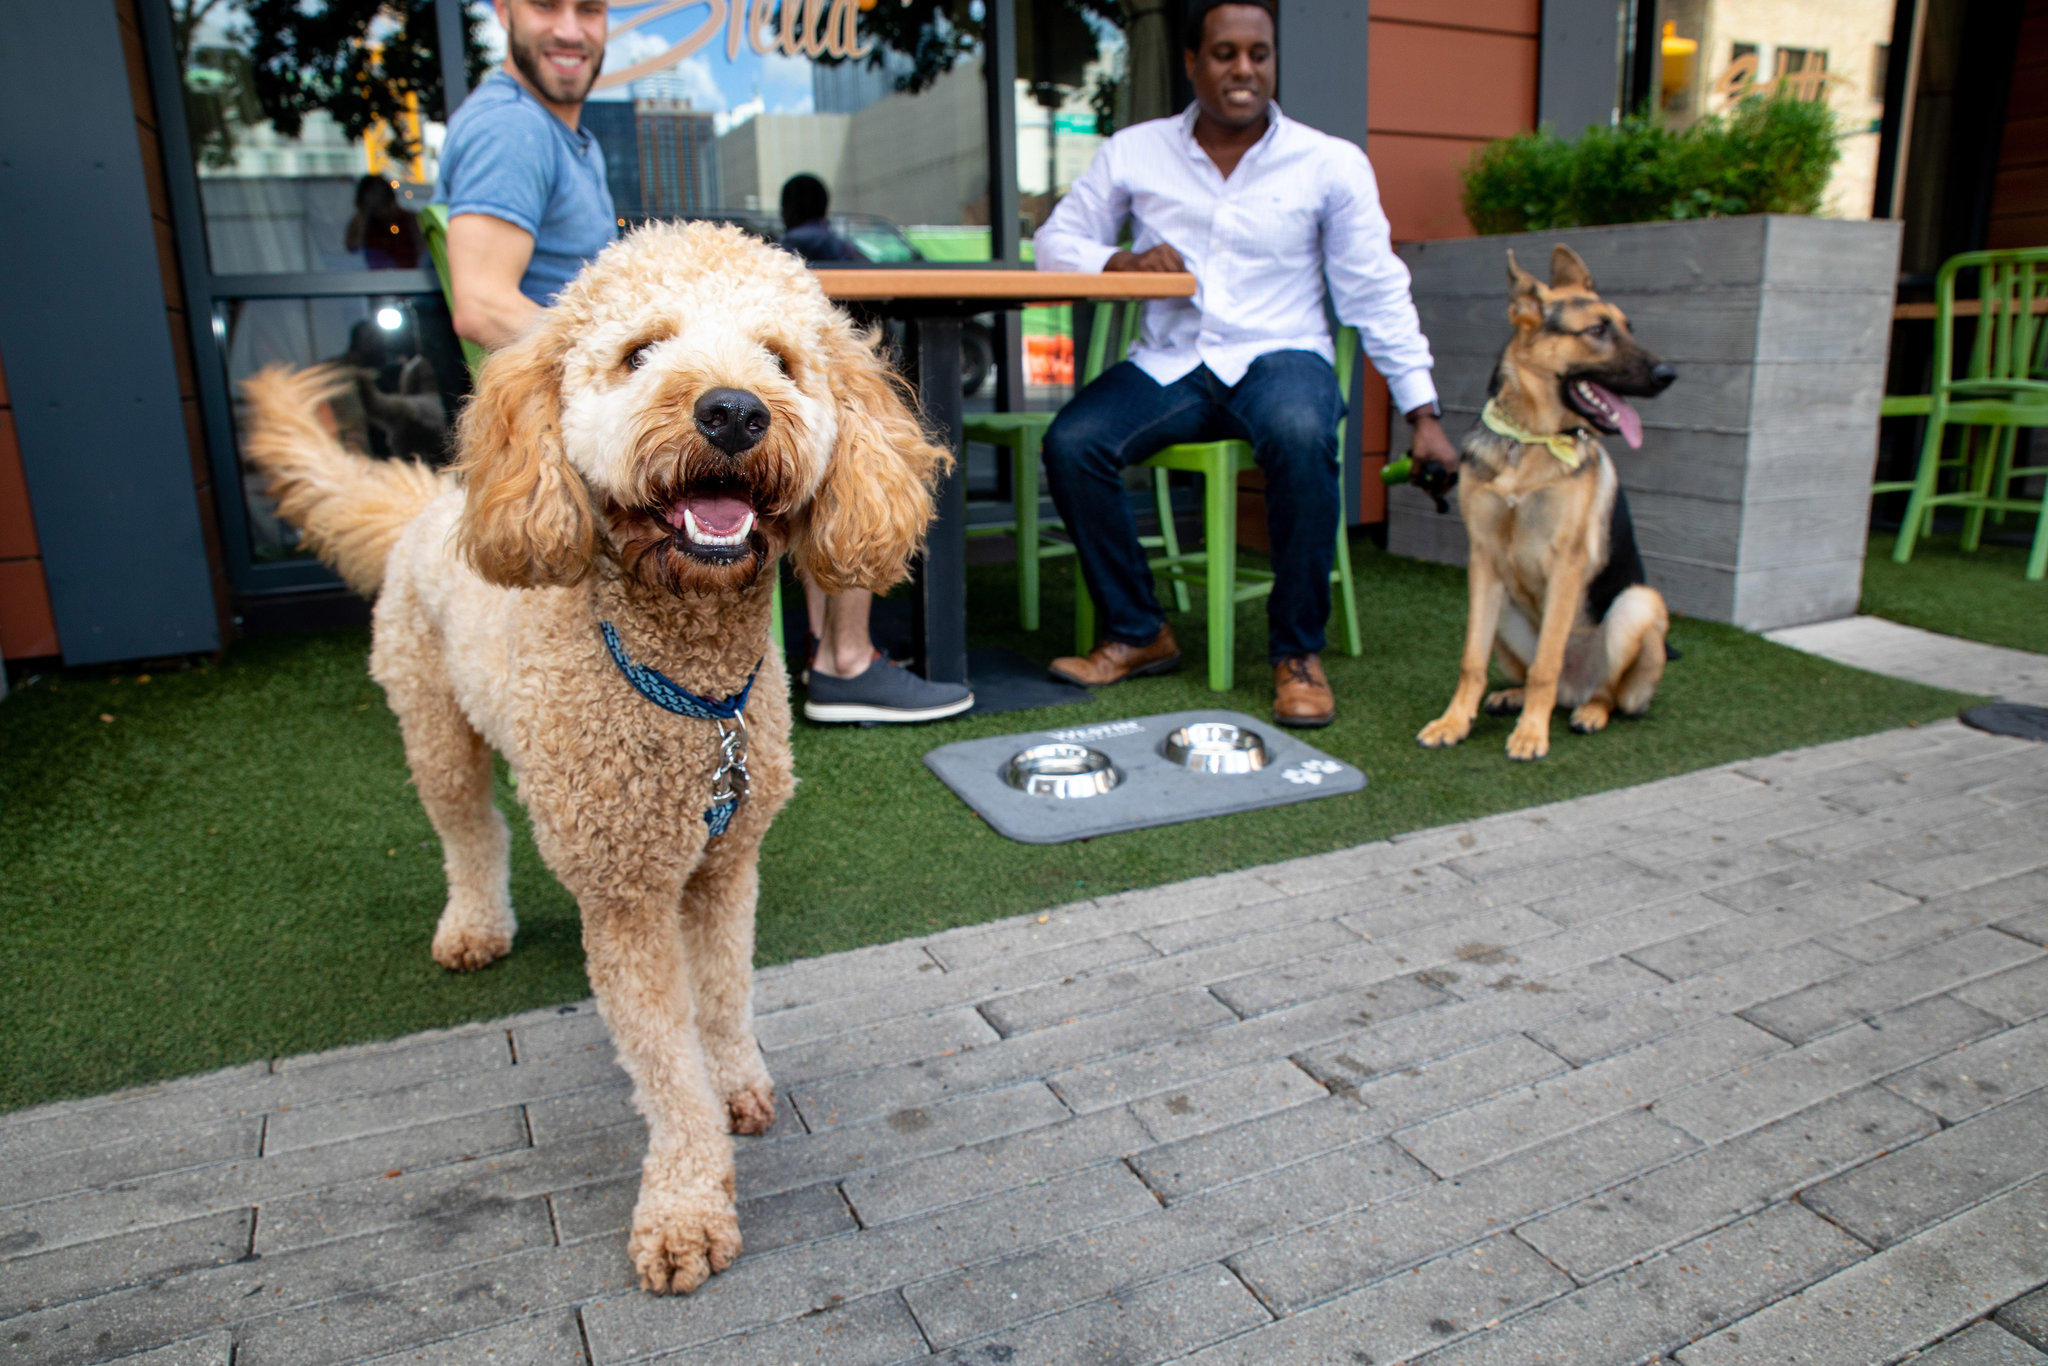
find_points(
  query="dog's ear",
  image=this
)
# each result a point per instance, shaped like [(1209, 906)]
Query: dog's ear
[(526, 516), (870, 512), (1567, 271), (1525, 295)]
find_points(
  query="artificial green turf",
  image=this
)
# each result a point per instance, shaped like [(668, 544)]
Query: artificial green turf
[(234, 866), (1983, 595)]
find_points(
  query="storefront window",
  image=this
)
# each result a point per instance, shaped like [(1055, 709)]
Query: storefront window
[(706, 109), (394, 357), (313, 129), (1714, 53)]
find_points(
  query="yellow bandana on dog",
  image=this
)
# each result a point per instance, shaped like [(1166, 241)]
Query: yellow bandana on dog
[(1563, 445)]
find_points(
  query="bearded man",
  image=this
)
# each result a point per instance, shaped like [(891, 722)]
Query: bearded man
[(525, 187)]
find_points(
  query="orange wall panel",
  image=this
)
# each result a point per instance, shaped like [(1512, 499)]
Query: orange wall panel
[(1502, 16), (1419, 184), (27, 629), (1450, 82)]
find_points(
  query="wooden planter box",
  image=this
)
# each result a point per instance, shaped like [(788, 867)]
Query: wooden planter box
[(1751, 493)]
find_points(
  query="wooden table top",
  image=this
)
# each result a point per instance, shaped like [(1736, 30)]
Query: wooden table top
[(1002, 284), (1965, 308)]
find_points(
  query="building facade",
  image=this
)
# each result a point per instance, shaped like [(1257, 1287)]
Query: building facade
[(180, 213)]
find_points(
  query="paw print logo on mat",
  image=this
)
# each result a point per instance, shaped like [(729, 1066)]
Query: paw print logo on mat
[(1311, 771)]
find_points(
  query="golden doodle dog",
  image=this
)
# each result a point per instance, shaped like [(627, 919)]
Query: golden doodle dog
[(588, 593), (1556, 587)]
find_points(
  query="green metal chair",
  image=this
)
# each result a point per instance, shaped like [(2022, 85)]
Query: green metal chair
[(2004, 388), (434, 227), (1214, 568), (1022, 435)]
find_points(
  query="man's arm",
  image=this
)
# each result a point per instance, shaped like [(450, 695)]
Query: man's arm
[(1080, 233), (487, 258), (1369, 287)]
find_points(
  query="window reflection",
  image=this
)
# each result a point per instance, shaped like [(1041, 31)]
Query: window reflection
[(392, 353), (298, 112)]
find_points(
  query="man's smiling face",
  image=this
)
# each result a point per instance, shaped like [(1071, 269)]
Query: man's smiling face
[(1233, 70), (556, 45)]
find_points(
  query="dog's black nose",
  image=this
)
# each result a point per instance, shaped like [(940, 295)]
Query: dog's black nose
[(732, 419), (1661, 376)]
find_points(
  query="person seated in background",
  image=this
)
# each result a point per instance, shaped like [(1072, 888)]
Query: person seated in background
[(1267, 214), (382, 229), (847, 678)]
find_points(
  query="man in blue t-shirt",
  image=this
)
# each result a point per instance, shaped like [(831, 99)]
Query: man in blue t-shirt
[(525, 187)]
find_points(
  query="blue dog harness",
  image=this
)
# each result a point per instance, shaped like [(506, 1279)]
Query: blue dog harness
[(729, 780)]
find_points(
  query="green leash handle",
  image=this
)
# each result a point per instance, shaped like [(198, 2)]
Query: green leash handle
[(1432, 478)]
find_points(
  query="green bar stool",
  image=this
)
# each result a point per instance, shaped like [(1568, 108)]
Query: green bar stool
[(1214, 568), (1022, 435), (2003, 388)]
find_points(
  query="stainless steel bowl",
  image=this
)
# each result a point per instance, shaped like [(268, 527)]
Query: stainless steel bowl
[(1216, 747), (1061, 770)]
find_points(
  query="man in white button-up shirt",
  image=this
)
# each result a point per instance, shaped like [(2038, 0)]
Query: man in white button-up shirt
[(1268, 215)]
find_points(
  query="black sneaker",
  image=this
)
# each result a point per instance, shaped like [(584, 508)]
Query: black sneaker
[(883, 692)]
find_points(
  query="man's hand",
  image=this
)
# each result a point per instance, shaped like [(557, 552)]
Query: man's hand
[(1430, 442), (1161, 258)]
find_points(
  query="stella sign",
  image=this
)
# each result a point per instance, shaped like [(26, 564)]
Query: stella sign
[(794, 28)]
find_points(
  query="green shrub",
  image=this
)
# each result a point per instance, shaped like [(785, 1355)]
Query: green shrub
[(1770, 155)]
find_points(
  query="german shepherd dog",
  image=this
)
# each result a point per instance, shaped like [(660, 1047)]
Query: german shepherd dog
[(1557, 588)]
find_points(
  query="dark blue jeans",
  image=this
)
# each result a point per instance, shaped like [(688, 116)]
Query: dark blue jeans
[(1287, 406)]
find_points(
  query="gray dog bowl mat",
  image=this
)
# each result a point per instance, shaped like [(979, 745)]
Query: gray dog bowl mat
[(1153, 790), (2008, 718)]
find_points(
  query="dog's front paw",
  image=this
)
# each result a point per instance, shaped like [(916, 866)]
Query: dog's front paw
[(1506, 702), (1444, 731), (464, 948), (1529, 742), (1590, 718), (681, 1240), (751, 1111)]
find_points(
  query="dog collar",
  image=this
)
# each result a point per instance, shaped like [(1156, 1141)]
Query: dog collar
[(729, 779), (1564, 445)]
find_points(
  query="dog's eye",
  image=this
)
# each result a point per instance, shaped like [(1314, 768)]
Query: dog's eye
[(1600, 331), (637, 357), (781, 361)]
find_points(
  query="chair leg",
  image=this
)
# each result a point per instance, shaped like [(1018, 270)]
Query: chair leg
[(1219, 528), (1354, 641), (1024, 492), (1917, 509), (775, 609), (1084, 612), (1981, 477), (1169, 535), (2037, 562)]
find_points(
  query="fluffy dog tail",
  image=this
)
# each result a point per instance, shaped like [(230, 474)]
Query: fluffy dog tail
[(350, 507)]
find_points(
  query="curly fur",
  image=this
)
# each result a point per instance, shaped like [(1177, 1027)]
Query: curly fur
[(573, 458)]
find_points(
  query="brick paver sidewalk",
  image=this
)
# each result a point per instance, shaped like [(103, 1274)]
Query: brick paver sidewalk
[(1742, 1066)]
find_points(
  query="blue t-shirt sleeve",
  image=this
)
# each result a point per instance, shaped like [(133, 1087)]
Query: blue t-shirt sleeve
[(502, 167)]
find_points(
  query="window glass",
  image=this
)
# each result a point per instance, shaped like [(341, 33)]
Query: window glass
[(396, 359), (708, 109), (1717, 52), (313, 128)]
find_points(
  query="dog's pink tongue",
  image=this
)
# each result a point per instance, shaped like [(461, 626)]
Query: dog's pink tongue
[(718, 516), (1625, 416)]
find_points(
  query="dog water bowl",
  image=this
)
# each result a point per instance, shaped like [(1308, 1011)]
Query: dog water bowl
[(1216, 747), (1061, 770)]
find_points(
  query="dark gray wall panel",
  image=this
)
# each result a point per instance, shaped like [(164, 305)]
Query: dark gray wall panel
[(88, 349), (1576, 74)]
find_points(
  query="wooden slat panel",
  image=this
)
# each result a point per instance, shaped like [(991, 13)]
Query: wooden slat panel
[(1450, 82)]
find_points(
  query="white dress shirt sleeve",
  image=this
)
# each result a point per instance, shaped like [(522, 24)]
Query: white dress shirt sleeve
[(1080, 233), (1369, 283)]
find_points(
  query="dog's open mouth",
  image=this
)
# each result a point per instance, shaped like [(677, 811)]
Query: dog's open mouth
[(1605, 409), (714, 523)]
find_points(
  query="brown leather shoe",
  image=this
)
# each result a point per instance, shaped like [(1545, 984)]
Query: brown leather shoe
[(1113, 661), (1301, 695)]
